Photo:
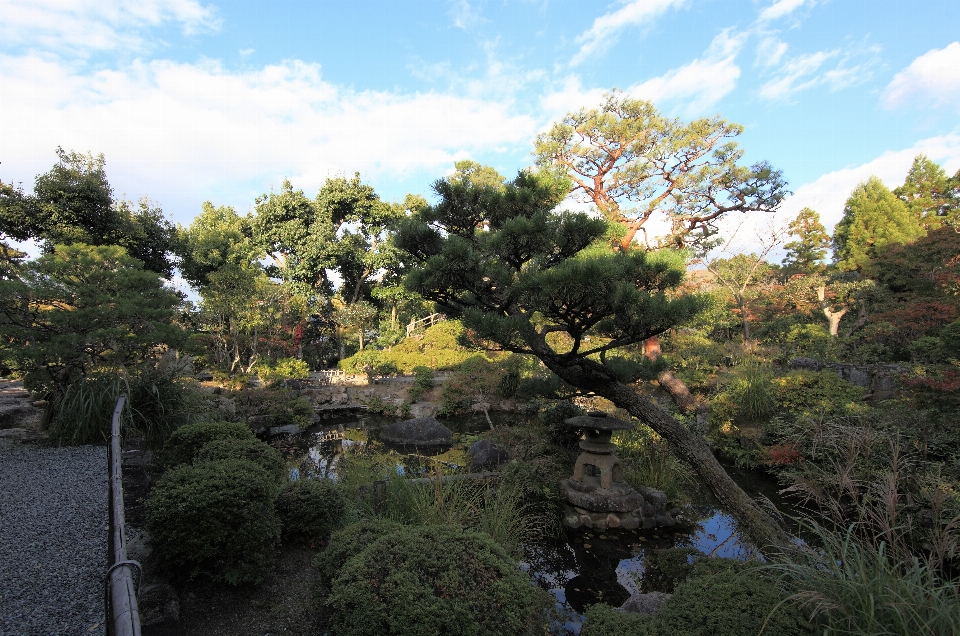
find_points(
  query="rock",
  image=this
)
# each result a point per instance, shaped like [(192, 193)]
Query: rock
[(423, 409), (487, 454), (657, 497), (665, 521), (205, 376), (289, 429), (619, 498), (645, 604), (158, 604), (419, 432)]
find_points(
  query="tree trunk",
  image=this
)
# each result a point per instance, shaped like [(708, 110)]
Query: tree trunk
[(753, 521), (674, 386), (833, 317), (744, 321)]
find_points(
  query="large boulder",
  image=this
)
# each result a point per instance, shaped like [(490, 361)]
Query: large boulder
[(422, 432), (487, 454)]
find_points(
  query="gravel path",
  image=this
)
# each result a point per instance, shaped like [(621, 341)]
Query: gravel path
[(53, 540)]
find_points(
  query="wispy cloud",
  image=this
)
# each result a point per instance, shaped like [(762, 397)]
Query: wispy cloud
[(770, 51), (806, 71), (781, 8), (933, 78), (88, 25), (464, 14), (606, 28)]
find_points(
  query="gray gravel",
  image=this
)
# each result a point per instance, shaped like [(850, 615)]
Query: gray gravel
[(53, 540)]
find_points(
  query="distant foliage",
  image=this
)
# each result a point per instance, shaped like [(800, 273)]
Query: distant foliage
[(284, 369), (215, 519)]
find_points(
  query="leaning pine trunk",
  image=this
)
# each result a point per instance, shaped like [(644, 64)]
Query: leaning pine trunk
[(752, 520)]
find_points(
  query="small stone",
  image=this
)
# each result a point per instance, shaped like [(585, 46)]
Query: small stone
[(648, 523), (630, 523), (585, 520), (665, 521), (613, 521), (587, 546)]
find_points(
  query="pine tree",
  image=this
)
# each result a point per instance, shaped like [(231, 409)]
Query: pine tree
[(806, 254)]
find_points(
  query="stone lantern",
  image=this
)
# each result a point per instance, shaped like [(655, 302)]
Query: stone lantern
[(597, 494)]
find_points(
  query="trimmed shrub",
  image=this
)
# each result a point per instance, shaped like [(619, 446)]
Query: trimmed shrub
[(347, 542), (603, 620), (426, 580), (282, 406), (185, 442), (215, 519), (730, 602), (310, 509), (254, 450), (284, 369)]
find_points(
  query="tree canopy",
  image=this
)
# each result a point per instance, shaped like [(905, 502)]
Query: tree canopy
[(873, 218), (688, 173)]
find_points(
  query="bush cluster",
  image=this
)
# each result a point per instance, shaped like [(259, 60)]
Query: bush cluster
[(426, 580), (252, 449)]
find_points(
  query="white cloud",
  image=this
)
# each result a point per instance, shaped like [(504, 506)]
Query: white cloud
[(199, 128), (85, 25), (804, 71), (934, 77), (780, 9), (770, 51), (828, 194), (605, 29), (701, 83)]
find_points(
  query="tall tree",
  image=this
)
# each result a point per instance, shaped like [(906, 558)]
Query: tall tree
[(82, 307), (217, 237), (544, 283), (73, 203), (687, 173), (805, 255), (873, 218), (927, 192)]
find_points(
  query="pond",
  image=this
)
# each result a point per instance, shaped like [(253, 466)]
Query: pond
[(580, 567)]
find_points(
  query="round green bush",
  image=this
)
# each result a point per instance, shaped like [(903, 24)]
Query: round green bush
[(310, 509), (216, 519), (344, 544), (185, 442), (432, 580), (603, 620), (254, 450), (729, 602)]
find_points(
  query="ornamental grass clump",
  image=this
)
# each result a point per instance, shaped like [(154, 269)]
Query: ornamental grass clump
[(433, 580), (214, 519), (851, 586)]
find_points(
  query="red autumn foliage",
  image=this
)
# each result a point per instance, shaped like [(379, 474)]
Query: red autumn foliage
[(783, 454)]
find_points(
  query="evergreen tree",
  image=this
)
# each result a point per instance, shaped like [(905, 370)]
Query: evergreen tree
[(805, 255), (873, 217), (544, 283), (926, 191)]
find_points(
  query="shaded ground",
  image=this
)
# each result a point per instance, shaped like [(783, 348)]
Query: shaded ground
[(280, 605)]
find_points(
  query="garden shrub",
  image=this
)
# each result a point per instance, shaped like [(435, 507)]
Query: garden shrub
[(252, 449), (310, 509), (426, 580), (734, 601), (216, 519), (185, 442), (347, 542), (812, 392), (423, 382), (603, 620), (439, 347)]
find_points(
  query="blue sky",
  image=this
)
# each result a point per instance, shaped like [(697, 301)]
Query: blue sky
[(191, 100)]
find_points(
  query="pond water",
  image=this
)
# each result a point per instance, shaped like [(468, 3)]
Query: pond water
[(580, 567)]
